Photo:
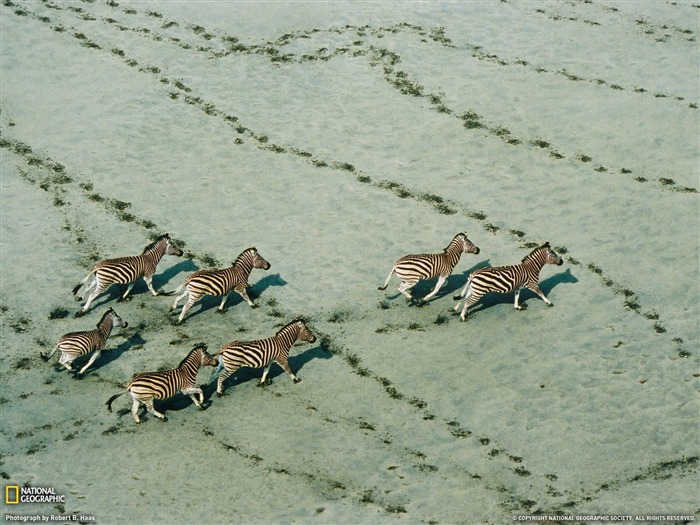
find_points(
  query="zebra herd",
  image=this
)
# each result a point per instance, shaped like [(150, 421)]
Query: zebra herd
[(147, 386)]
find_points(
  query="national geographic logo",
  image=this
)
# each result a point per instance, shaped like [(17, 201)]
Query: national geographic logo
[(14, 494)]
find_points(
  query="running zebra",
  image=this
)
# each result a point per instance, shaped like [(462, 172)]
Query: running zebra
[(263, 352), (126, 270), (506, 279), (75, 344), (147, 386), (413, 268), (221, 282)]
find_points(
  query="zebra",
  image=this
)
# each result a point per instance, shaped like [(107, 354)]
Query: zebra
[(413, 268), (75, 344), (126, 270), (505, 279), (221, 282), (262, 353), (147, 386)]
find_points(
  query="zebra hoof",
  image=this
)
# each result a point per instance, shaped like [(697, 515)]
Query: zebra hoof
[(80, 313), (220, 311), (297, 379), (550, 305)]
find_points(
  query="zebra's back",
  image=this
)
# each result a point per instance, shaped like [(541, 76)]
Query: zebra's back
[(210, 282), (422, 265), (80, 342), (121, 270), (160, 385), (504, 279), (254, 354)]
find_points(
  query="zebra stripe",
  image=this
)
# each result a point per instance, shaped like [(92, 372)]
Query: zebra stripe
[(147, 386), (413, 268), (262, 353), (221, 282), (75, 344), (506, 279), (126, 270)]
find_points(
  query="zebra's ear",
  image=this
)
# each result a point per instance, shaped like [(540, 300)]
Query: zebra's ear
[(546, 245)]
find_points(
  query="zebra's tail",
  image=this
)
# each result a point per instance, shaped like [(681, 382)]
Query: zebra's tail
[(111, 399), (215, 373), (81, 283), (46, 357), (386, 283), (464, 291)]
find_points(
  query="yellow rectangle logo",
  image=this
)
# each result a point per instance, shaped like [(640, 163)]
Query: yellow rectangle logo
[(11, 494)]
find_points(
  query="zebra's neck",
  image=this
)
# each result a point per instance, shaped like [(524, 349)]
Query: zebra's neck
[(453, 252), (192, 362), (104, 327), (244, 263), (288, 334), (534, 262)]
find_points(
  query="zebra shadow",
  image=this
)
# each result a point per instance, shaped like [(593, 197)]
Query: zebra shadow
[(107, 356), (254, 292), (245, 374), (454, 283), (546, 285), (185, 266)]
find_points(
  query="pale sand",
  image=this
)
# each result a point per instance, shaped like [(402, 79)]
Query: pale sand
[(336, 138)]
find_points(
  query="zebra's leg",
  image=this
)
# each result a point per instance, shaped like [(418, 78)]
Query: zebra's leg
[(149, 283), (94, 357), (535, 288), (404, 288), (99, 288), (193, 392), (242, 290), (185, 308), (439, 284), (77, 288), (220, 383), (471, 299), (517, 297), (220, 309), (152, 410), (66, 360), (264, 380), (179, 298), (285, 365), (135, 410), (125, 295)]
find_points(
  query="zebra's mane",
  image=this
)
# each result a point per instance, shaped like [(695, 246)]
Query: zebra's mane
[(104, 315), (453, 240), (290, 323), (244, 254), (545, 245), (200, 346), (154, 243)]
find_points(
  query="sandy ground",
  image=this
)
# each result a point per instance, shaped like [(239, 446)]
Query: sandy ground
[(336, 137)]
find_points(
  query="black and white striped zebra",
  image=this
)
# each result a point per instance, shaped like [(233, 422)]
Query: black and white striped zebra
[(75, 344), (221, 282), (126, 270), (262, 353), (147, 386), (413, 268), (506, 279)]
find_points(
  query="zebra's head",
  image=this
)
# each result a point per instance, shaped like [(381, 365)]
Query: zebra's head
[(259, 262), (551, 257), (171, 248), (205, 358), (114, 319), (305, 333), (467, 245)]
